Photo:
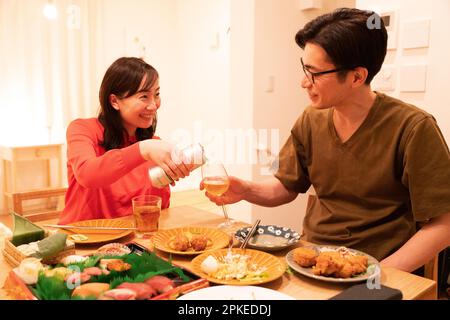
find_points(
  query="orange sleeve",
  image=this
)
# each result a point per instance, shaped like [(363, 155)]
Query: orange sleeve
[(91, 170)]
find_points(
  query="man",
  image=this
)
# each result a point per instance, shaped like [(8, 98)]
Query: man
[(378, 165)]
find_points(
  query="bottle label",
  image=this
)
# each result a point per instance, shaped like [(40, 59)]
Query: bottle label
[(193, 154), (159, 178)]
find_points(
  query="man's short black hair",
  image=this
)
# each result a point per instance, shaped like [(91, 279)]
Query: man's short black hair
[(351, 37)]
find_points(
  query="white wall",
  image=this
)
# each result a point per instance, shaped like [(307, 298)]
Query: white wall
[(277, 56), (128, 26), (202, 111), (435, 99), (204, 94), (242, 22), (187, 42)]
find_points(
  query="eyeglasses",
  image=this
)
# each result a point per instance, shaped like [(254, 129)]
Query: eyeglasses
[(311, 75)]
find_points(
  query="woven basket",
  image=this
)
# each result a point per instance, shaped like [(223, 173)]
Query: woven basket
[(14, 257)]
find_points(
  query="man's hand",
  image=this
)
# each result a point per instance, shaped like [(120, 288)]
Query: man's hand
[(235, 193)]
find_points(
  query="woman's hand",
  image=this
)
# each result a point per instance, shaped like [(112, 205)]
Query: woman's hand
[(235, 193), (164, 155)]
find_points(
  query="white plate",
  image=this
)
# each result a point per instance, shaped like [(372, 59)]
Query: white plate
[(226, 292), (269, 238), (373, 268)]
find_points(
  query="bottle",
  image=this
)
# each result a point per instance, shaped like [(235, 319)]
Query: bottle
[(192, 154)]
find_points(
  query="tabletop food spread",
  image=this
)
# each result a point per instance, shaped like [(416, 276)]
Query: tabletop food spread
[(191, 262)]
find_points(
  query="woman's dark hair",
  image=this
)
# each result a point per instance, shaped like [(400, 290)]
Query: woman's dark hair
[(351, 37), (123, 79)]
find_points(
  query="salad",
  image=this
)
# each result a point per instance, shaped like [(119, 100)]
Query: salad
[(233, 267)]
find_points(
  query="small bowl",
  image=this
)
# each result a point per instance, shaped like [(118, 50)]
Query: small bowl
[(269, 237)]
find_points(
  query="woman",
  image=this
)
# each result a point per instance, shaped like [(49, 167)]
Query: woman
[(108, 157)]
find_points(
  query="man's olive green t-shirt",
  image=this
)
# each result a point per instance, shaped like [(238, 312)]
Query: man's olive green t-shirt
[(372, 189)]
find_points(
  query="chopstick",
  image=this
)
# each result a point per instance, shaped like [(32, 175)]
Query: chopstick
[(250, 234), (85, 227)]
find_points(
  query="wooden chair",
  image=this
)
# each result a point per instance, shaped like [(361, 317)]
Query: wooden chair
[(41, 214), (431, 268)]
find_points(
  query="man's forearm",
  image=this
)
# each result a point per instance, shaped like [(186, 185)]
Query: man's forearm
[(423, 246), (269, 193)]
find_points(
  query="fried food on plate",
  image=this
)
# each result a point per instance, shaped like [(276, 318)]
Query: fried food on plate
[(305, 257), (199, 242), (359, 263), (328, 263), (184, 241), (180, 242), (339, 265)]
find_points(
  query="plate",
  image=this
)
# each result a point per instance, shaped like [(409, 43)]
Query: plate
[(373, 267), (226, 292), (98, 236), (219, 239), (269, 238), (274, 266)]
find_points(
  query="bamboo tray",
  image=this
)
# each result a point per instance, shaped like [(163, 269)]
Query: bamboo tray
[(18, 290), (14, 257)]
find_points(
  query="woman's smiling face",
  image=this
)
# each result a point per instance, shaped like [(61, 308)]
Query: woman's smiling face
[(138, 110)]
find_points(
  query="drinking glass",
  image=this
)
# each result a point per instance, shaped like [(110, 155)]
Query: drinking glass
[(146, 213), (215, 180)]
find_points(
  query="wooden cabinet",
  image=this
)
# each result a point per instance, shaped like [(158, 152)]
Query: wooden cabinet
[(11, 156)]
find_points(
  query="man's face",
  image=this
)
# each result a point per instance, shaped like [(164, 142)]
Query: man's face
[(327, 90)]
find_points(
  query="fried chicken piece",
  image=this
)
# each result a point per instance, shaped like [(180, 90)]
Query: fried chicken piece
[(338, 265), (305, 257), (180, 243), (345, 272), (358, 263), (328, 263), (199, 242)]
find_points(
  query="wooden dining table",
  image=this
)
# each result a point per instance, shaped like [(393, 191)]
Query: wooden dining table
[(293, 284)]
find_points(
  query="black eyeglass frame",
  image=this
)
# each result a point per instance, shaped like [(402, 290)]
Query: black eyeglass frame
[(314, 74)]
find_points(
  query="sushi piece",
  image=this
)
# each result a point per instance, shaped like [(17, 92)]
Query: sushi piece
[(77, 278), (142, 290), (29, 269), (118, 294), (160, 283), (118, 266), (113, 249), (90, 290), (72, 259)]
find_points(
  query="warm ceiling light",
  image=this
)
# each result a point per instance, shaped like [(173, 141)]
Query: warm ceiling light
[(50, 11)]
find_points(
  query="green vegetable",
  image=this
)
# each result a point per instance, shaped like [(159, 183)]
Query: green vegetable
[(51, 246), (145, 266), (52, 288), (289, 271), (25, 231), (142, 267)]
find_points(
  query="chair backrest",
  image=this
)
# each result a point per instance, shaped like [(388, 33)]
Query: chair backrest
[(431, 268), (41, 214)]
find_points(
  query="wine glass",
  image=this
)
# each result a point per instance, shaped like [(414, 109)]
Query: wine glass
[(215, 180)]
